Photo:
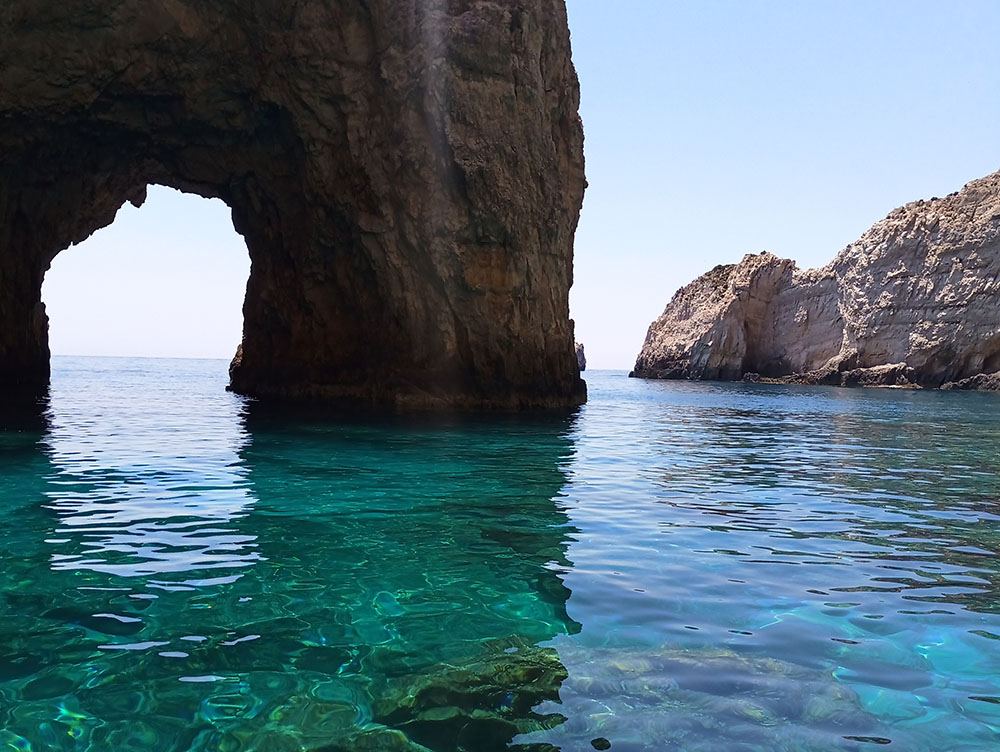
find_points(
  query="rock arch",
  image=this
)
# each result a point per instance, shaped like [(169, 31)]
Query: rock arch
[(407, 175)]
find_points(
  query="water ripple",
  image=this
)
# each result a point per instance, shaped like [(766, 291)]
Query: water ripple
[(677, 566)]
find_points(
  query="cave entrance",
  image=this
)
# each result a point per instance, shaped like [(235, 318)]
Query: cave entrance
[(167, 279)]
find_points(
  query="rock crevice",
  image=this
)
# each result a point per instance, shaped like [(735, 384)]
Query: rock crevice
[(914, 302), (407, 175)]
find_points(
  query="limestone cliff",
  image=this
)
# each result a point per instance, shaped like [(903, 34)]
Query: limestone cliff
[(914, 302), (581, 357), (407, 175)]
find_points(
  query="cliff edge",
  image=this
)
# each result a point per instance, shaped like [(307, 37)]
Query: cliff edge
[(914, 302)]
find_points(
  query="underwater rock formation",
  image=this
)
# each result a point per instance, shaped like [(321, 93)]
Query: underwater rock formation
[(914, 302), (407, 176), (708, 698)]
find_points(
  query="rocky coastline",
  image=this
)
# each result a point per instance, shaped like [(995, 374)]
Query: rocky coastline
[(914, 302)]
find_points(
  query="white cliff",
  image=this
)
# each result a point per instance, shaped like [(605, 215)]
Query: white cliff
[(914, 302)]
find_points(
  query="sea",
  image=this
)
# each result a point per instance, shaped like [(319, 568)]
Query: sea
[(672, 566)]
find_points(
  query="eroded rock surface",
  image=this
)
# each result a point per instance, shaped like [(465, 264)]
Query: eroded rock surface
[(914, 302), (581, 357), (407, 175)]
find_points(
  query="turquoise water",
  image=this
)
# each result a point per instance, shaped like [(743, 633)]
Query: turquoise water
[(674, 566)]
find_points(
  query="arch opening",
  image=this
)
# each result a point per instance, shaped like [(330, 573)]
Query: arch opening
[(164, 280)]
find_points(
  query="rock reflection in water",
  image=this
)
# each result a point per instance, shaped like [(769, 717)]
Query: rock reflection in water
[(149, 501), (444, 574), (249, 583)]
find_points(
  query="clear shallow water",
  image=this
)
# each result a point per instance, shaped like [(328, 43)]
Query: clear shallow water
[(676, 566)]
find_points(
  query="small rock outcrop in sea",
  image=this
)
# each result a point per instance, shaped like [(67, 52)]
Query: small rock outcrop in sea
[(914, 302), (581, 357), (407, 176)]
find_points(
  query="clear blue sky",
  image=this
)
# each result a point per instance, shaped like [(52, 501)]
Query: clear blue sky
[(713, 129)]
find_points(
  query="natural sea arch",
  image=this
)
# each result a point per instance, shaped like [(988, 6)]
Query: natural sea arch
[(407, 175)]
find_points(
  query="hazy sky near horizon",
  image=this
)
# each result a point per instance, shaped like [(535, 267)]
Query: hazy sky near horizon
[(713, 129)]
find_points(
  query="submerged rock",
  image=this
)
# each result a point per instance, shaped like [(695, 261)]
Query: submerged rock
[(407, 175), (482, 704), (518, 696), (700, 699), (914, 302)]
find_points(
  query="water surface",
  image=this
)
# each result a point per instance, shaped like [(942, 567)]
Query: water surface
[(675, 566)]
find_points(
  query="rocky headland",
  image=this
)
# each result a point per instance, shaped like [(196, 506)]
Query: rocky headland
[(914, 302)]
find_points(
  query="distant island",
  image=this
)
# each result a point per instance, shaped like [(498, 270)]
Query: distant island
[(914, 302)]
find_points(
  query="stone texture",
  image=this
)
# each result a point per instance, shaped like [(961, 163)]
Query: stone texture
[(407, 175), (581, 357), (984, 382), (914, 302)]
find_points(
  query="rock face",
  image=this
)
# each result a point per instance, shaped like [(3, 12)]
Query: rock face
[(914, 302), (581, 357), (407, 175)]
